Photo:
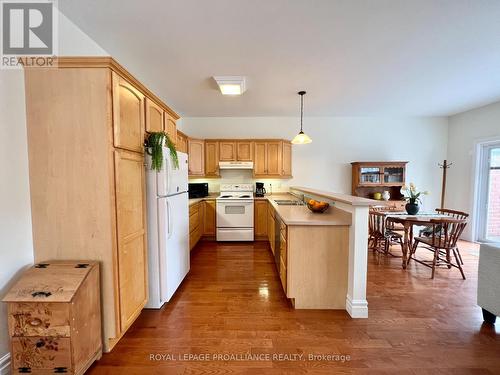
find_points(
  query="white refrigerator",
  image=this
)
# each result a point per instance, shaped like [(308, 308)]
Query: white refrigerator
[(168, 228)]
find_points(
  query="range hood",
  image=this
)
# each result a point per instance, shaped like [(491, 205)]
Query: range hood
[(236, 165)]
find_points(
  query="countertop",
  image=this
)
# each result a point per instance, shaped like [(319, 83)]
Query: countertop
[(338, 197), (296, 215), (301, 215), (210, 197)]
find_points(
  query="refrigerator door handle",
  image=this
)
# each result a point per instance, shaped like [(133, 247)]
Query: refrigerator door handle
[(169, 219)]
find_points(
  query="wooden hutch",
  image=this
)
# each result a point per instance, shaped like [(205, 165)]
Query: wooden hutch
[(370, 177)]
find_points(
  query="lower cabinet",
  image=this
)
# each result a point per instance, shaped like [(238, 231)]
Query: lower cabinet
[(270, 226), (283, 256), (260, 219), (131, 229), (195, 224), (201, 221), (209, 218)]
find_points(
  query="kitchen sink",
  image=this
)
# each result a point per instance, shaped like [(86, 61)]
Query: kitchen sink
[(288, 202)]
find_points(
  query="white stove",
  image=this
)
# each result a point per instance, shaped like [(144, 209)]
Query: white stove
[(235, 206)]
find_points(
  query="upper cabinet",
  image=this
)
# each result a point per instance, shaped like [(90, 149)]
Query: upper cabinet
[(227, 150), (272, 158), (260, 159), (268, 159), (244, 151), (196, 151), (211, 159), (232, 150), (182, 142), (287, 159), (154, 116), (171, 128), (128, 115)]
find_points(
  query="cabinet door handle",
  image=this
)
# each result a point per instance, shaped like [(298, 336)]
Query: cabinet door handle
[(41, 294)]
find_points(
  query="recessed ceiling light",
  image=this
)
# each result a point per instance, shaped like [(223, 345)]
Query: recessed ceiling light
[(231, 85)]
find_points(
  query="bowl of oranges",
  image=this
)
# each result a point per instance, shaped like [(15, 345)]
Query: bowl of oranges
[(316, 206)]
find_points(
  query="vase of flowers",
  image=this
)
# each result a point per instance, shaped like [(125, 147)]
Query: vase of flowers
[(412, 197)]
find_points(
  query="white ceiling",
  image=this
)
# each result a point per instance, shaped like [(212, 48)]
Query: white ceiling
[(353, 57)]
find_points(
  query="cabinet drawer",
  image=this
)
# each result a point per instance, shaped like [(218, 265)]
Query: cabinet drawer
[(194, 236), (194, 220), (38, 319), (41, 354), (195, 208)]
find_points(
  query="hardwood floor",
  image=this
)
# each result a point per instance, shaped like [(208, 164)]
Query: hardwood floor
[(232, 303)]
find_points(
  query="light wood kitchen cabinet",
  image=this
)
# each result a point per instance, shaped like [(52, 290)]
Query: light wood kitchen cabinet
[(128, 115), (209, 218), (196, 216), (268, 159), (235, 150), (131, 231), (211, 159), (171, 128), (154, 116), (260, 219), (182, 142), (93, 207), (196, 151), (227, 150), (274, 158), (244, 151), (282, 267), (287, 159), (260, 159), (270, 226)]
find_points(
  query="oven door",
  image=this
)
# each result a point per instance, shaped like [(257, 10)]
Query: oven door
[(234, 213)]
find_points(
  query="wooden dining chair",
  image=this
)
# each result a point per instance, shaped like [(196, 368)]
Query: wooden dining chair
[(382, 237), (456, 215), (382, 208), (442, 242)]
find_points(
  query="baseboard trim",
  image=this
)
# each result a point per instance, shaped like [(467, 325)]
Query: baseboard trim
[(5, 364), (357, 309)]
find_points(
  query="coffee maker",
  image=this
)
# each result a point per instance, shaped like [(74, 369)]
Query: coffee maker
[(259, 189)]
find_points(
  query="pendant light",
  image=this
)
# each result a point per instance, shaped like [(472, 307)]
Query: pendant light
[(301, 138)]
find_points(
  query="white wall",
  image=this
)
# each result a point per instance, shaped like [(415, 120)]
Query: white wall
[(325, 163), (465, 131), (16, 246)]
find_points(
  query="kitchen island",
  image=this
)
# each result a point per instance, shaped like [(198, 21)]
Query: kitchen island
[(358, 209), (311, 253)]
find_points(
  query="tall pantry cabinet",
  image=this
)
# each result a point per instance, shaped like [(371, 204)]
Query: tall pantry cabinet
[(86, 123)]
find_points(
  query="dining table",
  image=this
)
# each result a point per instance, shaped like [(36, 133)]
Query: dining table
[(408, 222)]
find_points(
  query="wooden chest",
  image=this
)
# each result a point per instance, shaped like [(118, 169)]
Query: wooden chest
[(54, 318)]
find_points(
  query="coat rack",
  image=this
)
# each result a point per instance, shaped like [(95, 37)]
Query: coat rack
[(445, 167)]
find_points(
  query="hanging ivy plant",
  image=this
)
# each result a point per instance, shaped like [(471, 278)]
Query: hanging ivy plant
[(154, 146)]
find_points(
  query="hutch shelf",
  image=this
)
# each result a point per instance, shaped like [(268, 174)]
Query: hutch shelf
[(370, 177)]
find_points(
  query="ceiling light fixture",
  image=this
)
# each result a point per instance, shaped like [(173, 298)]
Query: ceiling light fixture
[(231, 85), (301, 138)]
